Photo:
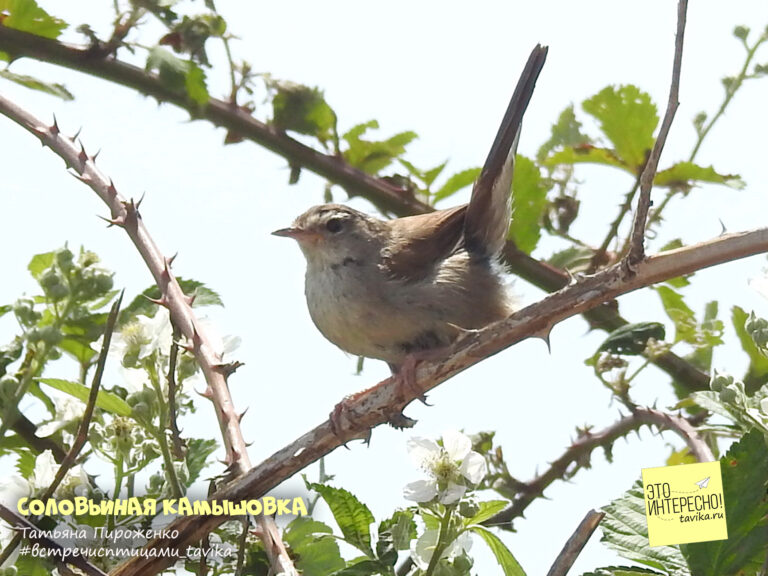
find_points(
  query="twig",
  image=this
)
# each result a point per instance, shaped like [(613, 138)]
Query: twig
[(700, 450), (57, 551), (575, 544), (125, 214), (386, 401), (560, 469), (636, 248), (85, 423), (597, 258)]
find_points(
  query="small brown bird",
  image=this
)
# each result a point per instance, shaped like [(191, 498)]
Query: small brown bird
[(393, 289)]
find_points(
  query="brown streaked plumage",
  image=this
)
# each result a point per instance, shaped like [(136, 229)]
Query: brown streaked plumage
[(387, 289)]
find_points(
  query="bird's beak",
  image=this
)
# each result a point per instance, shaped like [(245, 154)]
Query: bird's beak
[(298, 234)]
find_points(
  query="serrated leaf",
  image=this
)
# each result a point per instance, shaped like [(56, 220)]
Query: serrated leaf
[(195, 85), (529, 201), (316, 554), (628, 118), (680, 314), (40, 263), (457, 182), (304, 110), (566, 132), (586, 154), (487, 510), (203, 296), (686, 174), (757, 372), (353, 517), (104, 400), (745, 475), (631, 340), (625, 530), (27, 16), (198, 450), (504, 557), (54, 89), (373, 156), (25, 464)]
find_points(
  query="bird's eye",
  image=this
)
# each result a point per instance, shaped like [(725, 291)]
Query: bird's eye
[(333, 225)]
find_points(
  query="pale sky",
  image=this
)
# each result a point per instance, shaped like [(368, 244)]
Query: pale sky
[(445, 70)]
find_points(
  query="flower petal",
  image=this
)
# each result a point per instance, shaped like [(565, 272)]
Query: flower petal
[(456, 444), (423, 549), (452, 494), (474, 467), (421, 449), (420, 490)]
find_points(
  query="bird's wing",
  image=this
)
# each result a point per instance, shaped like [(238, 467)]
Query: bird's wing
[(419, 242), (488, 214)]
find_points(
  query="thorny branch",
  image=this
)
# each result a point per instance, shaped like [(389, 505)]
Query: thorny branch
[(578, 453)]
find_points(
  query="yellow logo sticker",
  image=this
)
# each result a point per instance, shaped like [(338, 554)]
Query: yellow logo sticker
[(684, 504)]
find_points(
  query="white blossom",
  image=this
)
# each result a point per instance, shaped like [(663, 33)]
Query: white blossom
[(452, 468)]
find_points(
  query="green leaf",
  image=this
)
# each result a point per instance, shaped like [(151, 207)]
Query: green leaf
[(626, 531), (503, 556), (631, 340), (198, 450), (679, 312), (529, 201), (104, 400), (400, 529), (457, 182), (566, 133), (25, 465), (194, 83), (76, 348), (4, 309), (686, 174), (573, 258), (709, 335), (304, 110), (316, 553), (586, 154), (179, 75), (203, 296), (757, 373), (487, 510), (54, 89), (40, 263), (353, 517), (373, 156), (745, 476), (628, 118), (27, 16)]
